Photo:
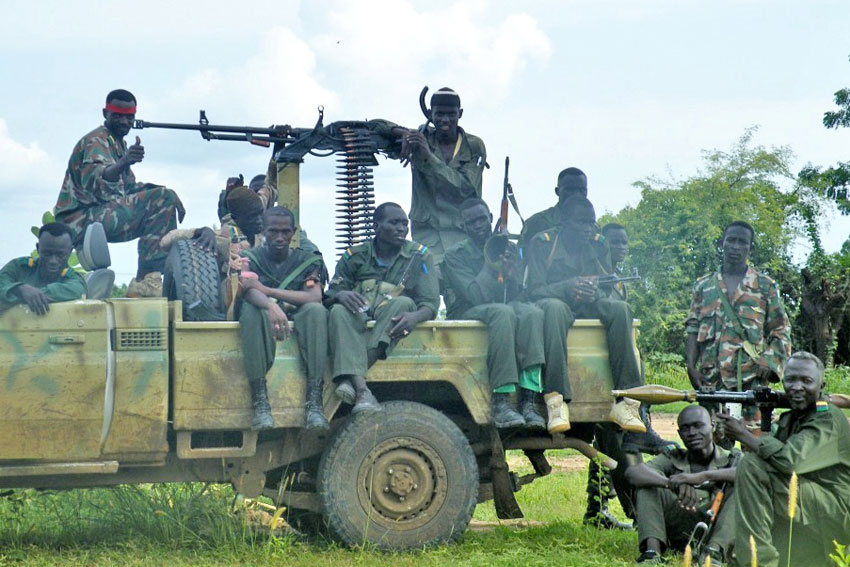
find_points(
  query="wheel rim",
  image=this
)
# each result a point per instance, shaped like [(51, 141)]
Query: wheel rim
[(402, 483)]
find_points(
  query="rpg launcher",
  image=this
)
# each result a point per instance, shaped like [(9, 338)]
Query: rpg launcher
[(762, 397)]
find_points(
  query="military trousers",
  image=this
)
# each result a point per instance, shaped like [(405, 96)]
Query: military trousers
[(659, 516), (514, 339), (762, 497), (557, 320), (147, 214), (351, 340), (259, 345)]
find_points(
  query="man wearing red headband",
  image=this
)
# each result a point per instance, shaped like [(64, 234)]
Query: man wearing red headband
[(99, 186)]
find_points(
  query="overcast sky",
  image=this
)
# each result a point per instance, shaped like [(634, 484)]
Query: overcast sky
[(622, 89)]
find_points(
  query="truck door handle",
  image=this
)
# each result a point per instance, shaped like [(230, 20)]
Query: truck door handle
[(66, 339)]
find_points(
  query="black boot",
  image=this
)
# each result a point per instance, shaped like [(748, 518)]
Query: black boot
[(599, 492), (502, 413), (260, 403), (314, 418), (528, 409), (649, 442)]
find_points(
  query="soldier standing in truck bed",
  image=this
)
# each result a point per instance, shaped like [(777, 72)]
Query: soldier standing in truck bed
[(389, 279), (446, 164), (99, 186)]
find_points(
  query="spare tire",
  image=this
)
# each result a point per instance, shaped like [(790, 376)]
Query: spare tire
[(192, 276)]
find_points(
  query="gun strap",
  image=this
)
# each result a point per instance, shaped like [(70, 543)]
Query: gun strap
[(299, 270), (512, 200)]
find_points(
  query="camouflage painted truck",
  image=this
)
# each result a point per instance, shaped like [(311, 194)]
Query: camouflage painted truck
[(103, 392)]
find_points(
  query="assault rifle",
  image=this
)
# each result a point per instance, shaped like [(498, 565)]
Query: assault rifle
[(762, 397), (290, 144), (614, 279)]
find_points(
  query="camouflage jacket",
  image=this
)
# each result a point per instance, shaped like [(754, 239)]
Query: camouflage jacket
[(359, 264), (761, 317), (467, 284), (550, 265), (19, 271), (439, 187), (84, 185)]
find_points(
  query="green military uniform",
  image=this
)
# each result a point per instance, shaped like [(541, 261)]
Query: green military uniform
[(126, 208), (19, 271), (439, 188), (760, 316), (658, 512), (816, 445), (360, 270), (538, 222), (550, 265), (311, 319), (514, 329)]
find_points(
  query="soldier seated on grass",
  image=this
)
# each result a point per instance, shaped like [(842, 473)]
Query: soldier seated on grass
[(38, 282), (388, 279), (675, 490)]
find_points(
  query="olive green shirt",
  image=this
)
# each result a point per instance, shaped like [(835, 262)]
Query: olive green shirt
[(550, 264), (538, 222), (413, 267), (19, 271), (676, 461), (467, 284)]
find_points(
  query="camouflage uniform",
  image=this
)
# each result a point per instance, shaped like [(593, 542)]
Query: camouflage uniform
[(19, 271), (439, 188), (814, 444), (514, 329), (359, 270), (127, 209), (759, 309), (658, 512), (549, 266), (311, 319)]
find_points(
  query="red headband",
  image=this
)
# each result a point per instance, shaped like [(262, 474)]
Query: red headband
[(121, 109)]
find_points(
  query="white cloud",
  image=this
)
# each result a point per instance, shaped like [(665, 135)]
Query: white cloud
[(20, 163)]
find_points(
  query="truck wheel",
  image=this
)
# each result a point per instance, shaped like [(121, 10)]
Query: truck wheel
[(399, 479), (192, 276)]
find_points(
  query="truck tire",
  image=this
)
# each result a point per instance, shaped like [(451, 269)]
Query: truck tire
[(191, 275), (398, 479)]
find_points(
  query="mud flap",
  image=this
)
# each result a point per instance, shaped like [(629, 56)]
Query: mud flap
[(507, 508)]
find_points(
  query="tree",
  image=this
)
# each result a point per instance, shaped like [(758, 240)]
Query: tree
[(674, 231)]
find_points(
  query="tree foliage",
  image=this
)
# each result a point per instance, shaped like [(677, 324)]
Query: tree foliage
[(674, 231)]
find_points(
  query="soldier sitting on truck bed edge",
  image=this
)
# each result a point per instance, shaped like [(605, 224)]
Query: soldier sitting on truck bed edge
[(99, 186), (477, 289), (289, 284), (38, 282), (389, 279)]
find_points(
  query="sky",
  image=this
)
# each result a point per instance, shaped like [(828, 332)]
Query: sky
[(623, 89)]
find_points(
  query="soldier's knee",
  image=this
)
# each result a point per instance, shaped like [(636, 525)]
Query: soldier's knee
[(338, 313), (249, 314), (402, 303)]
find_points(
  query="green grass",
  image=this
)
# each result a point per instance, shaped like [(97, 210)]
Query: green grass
[(182, 525)]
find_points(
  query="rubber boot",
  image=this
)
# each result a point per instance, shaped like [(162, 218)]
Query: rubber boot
[(528, 409), (314, 416), (502, 413), (260, 404), (559, 413)]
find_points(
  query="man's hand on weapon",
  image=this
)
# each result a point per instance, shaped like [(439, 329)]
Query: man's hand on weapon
[(352, 301), (278, 321), (205, 237), (413, 142), (36, 300), (736, 430), (509, 260), (583, 290)]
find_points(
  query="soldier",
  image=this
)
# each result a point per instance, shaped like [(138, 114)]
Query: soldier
[(571, 181), (388, 279), (266, 187), (477, 289), (257, 185), (617, 240), (38, 282), (811, 440), (289, 285), (99, 186), (562, 263), (738, 334), (675, 490), (446, 164)]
